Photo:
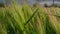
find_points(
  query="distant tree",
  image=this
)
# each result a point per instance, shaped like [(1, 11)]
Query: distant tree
[(2, 5), (53, 2), (45, 5)]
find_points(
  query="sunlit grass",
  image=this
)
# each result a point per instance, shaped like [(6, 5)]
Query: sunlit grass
[(25, 19)]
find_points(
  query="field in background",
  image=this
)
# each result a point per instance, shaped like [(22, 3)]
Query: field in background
[(25, 19)]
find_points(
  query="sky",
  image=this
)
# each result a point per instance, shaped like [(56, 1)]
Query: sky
[(1, 1), (31, 2)]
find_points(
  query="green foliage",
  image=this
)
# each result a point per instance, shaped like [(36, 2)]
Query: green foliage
[(24, 19)]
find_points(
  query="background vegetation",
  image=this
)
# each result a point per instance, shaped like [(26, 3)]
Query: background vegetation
[(16, 19)]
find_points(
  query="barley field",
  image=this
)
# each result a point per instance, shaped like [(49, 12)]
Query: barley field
[(25, 19)]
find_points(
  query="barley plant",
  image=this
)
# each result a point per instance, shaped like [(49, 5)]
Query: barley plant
[(17, 19)]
